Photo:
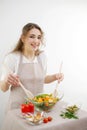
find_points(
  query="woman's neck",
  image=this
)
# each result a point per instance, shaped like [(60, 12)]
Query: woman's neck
[(29, 54)]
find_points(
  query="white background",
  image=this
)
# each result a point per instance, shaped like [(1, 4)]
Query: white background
[(65, 26)]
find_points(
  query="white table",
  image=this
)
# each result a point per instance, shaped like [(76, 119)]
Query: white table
[(15, 122)]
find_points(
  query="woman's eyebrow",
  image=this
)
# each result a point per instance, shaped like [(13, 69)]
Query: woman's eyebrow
[(35, 35)]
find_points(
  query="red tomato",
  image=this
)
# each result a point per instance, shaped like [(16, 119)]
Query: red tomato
[(23, 108), (49, 118), (45, 120), (31, 107), (46, 104), (27, 108)]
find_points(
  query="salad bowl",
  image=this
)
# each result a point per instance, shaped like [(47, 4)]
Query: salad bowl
[(45, 102)]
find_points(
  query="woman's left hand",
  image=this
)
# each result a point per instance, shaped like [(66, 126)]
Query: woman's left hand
[(59, 77)]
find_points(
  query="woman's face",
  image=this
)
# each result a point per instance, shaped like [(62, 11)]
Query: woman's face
[(32, 40)]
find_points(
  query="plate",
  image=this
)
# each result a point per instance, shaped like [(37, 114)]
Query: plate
[(35, 119)]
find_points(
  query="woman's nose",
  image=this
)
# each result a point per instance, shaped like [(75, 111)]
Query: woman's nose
[(36, 40)]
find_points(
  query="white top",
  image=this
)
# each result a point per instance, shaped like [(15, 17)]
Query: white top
[(12, 59)]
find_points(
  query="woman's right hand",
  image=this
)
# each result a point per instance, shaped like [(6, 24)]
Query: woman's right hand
[(12, 79)]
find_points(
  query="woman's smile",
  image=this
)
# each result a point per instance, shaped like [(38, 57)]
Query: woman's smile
[(34, 46)]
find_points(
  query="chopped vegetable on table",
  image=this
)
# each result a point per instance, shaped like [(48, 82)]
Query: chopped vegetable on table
[(70, 112)]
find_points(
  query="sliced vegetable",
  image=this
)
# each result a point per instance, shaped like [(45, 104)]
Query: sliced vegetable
[(70, 112), (68, 115)]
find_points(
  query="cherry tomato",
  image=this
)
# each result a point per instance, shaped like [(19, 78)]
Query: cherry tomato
[(49, 118), (46, 104), (45, 120)]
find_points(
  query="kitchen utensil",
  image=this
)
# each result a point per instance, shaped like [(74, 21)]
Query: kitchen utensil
[(55, 92), (27, 92)]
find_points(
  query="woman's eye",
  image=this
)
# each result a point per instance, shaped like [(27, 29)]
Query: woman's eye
[(39, 38), (32, 37)]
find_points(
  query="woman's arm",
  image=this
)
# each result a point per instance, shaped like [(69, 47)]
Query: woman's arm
[(5, 79), (54, 77), (50, 78), (4, 86), (11, 79)]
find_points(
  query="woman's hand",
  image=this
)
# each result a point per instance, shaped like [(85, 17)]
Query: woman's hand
[(13, 80), (59, 77)]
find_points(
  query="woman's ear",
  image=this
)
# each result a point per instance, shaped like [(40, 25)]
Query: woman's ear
[(22, 38)]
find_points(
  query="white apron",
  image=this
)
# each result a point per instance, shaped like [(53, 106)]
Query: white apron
[(32, 77)]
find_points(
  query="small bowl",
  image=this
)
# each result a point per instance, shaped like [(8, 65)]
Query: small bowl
[(35, 119), (73, 107)]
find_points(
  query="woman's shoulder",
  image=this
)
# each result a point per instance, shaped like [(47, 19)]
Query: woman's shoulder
[(43, 58), (42, 54), (11, 57), (10, 60)]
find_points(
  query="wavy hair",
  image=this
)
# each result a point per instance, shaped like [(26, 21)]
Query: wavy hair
[(25, 30)]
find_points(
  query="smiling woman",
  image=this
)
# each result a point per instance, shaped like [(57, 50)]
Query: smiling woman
[(28, 65), (31, 38), (31, 43)]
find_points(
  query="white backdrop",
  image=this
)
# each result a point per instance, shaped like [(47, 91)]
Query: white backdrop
[(65, 26)]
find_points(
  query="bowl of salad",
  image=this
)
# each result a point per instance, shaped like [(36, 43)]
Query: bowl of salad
[(44, 102)]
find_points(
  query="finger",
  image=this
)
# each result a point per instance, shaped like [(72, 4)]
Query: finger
[(11, 82), (14, 78), (10, 79), (61, 78)]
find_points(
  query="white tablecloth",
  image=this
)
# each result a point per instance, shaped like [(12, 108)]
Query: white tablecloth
[(14, 121)]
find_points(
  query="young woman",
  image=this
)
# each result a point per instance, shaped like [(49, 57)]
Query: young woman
[(28, 65)]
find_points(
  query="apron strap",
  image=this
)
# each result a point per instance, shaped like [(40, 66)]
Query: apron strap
[(17, 64), (39, 61)]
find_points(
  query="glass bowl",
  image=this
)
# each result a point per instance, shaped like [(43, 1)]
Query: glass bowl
[(35, 119), (44, 102)]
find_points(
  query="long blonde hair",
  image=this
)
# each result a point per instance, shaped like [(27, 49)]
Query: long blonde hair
[(25, 30)]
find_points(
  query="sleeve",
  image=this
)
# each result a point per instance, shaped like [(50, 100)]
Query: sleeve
[(43, 59), (8, 64)]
